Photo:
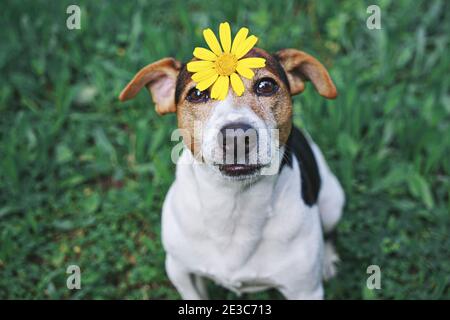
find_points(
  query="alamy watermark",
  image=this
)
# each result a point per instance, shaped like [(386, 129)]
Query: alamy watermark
[(73, 21), (374, 20), (74, 280), (374, 280)]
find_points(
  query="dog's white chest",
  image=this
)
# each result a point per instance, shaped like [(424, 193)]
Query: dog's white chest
[(240, 238)]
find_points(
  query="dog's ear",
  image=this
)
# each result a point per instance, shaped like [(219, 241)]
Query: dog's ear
[(160, 78), (301, 67)]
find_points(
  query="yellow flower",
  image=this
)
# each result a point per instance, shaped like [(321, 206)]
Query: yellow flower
[(222, 64)]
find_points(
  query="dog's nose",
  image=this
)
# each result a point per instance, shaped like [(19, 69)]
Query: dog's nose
[(235, 128), (238, 139)]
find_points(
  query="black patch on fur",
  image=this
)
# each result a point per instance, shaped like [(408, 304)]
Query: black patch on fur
[(331, 236), (298, 146), (182, 79)]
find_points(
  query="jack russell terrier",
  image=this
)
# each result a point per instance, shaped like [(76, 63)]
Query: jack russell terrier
[(246, 230)]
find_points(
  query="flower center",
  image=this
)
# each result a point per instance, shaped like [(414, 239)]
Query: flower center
[(226, 64)]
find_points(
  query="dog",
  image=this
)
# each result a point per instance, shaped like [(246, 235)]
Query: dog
[(245, 230)]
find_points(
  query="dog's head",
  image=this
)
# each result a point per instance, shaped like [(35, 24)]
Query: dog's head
[(235, 136)]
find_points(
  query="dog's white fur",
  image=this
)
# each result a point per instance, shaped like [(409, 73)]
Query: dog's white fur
[(248, 236)]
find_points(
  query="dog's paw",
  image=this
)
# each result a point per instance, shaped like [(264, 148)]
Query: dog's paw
[(330, 260)]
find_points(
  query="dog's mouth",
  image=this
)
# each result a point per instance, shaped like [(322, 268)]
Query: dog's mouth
[(239, 170)]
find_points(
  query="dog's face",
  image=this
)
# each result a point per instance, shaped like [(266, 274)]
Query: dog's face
[(237, 137)]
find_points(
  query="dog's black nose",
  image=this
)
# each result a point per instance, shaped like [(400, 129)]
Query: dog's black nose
[(234, 128), (237, 140)]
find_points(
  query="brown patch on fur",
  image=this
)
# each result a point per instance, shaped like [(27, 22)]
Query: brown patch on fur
[(272, 64), (188, 114), (278, 106), (275, 108)]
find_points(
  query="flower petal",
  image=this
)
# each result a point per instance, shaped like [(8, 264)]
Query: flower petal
[(245, 72), (252, 62), (225, 88), (196, 66), (212, 41), (237, 84), (219, 87), (205, 84), (204, 74), (204, 54), (246, 46), (238, 39), (225, 36)]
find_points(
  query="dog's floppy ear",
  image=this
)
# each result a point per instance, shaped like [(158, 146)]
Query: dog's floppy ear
[(301, 67), (160, 78)]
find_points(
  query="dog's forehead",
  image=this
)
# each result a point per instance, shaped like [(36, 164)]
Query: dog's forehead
[(272, 65)]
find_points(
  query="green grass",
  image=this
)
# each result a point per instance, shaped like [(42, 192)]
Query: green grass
[(83, 177)]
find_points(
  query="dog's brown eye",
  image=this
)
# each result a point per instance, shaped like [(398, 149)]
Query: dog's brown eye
[(196, 96), (266, 87)]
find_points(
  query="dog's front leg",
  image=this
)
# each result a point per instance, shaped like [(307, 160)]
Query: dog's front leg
[(183, 280), (302, 294)]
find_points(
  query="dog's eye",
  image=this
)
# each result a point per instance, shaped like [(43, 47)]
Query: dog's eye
[(196, 96), (266, 87)]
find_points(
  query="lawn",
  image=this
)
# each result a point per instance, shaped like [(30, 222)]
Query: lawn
[(83, 177)]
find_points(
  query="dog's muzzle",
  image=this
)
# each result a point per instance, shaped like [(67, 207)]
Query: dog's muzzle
[(239, 144)]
